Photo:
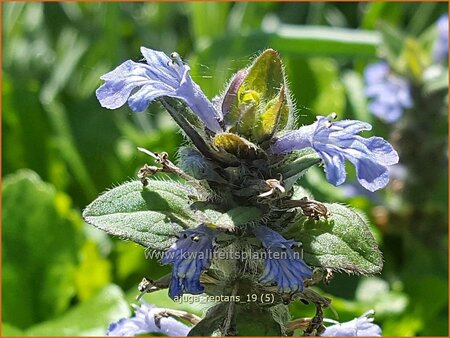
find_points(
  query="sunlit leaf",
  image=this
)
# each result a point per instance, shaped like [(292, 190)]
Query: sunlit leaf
[(341, 242)]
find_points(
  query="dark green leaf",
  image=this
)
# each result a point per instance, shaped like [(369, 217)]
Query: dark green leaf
[(254, 320), (342, 242), (211, 322), (150, 215)]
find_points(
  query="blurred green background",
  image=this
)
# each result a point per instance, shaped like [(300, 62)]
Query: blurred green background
[(60, 149)]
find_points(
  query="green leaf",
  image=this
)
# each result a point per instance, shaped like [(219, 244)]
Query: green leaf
[(342, 242), (208, 20), (91, 318), (93, 273), (253, 320), (295, 169), (149, 215), (393, 42), (10, 331), (232, 218), (41, 237), (319, 40), (354, 87), (211, 322)]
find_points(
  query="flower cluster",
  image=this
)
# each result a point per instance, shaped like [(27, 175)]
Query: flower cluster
[(390, 93), (243, 147)]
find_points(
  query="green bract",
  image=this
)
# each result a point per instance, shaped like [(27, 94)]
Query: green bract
[(260, 106)]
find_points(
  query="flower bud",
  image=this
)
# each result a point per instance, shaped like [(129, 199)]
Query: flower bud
[(256, 104)]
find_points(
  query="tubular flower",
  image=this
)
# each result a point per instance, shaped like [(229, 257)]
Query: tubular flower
[(143, 321), (283, 265), (390, 93), (338, 141), (140, 83), (190, 255), (361, 326)]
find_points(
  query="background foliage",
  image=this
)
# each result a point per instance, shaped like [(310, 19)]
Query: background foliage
[(61, 149)]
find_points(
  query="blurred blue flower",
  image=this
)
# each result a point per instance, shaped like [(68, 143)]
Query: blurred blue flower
[(353, 189), (361, 326), (190, 255), (391, 93), (141, 83), (337, 141), (283, 265), (143, 321), (440, 48)]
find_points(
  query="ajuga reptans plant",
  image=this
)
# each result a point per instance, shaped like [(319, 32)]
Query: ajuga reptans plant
[(237, 224)]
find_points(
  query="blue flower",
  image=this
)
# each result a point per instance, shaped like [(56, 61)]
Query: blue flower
[(143, 321), (141, 83), (440, 48), (390, 93), (283, 265), (361, 326), (337, 141), (190, 255)]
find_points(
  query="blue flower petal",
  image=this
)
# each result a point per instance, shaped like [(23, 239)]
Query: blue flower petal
[(190, 255), (283, 265), (337, 141), (140, 84), (382, 150), (361, 326), (143, 321), (334, 167)]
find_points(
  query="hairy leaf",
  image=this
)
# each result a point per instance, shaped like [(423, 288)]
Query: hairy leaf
[(232, 218), (211, 322), (341, 242), (149, 215), (296, 168)]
